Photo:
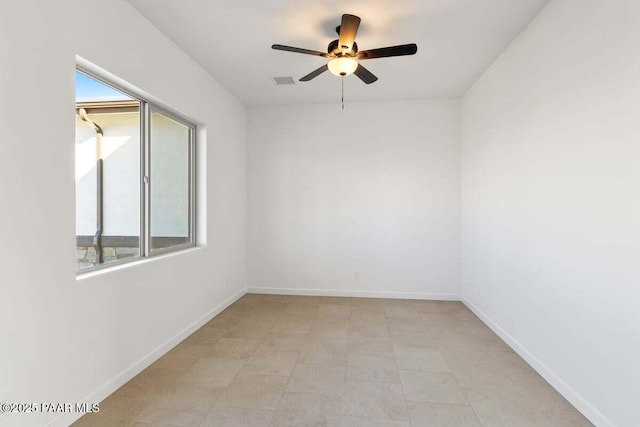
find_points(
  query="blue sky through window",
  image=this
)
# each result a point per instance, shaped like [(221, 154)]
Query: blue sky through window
[(88, 89)]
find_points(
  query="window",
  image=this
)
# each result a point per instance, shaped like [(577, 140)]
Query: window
[(134, 176)]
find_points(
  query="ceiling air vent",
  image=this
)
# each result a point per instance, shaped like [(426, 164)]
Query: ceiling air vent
[(283, 81)]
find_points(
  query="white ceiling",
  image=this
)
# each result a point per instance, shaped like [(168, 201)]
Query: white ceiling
[(457, 40)]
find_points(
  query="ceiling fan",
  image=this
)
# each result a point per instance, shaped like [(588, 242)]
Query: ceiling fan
[(344, 55)]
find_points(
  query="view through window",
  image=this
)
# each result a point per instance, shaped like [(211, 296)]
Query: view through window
[(134, 176)]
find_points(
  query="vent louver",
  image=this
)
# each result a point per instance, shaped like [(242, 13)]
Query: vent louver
[(279, 81)]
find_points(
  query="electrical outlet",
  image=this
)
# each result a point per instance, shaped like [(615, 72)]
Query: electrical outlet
[(356, 275)]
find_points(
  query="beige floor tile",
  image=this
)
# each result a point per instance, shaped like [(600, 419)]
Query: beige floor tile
[(263, 306), (237, 417), (370, 346), (304, 409), (337, 362), (181, 357), (233, 348), (375, 401), (267, 311), (256, 316), (545, 396), (471, 345), (516, 393), (498, 372), (402, 312), (268, 302), (447, 321), (343, 309), (97, 420), (310, 356), (296, 322), (177, 413), (282, 341), (571, 418), (430, 306), (336, 338), (442, 415), (336, 300), (358, 302), (374, 369), (471, 350), (414, 339), (466, 330), (254, 391), (324, 350), (205, 336), (212, 372), (141, 424), (317, 379), (190, 393), (397, 302), (319, 335), (262, 298), (269, 362), (419, 359), (509, 377), (114, 410), (252, 330), (368, 422), (224, 320), (454, 355), (149, 383), (330, 324), (367, 310), (305, 305), (118, 407), (434, 387), (369, 325), (463, 324), (500, 409), (403, 326)]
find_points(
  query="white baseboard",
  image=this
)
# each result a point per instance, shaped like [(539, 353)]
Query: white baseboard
[(355, 293), (588, 410), (123, 377)]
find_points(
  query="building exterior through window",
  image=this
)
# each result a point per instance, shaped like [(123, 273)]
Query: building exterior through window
[(134, 176)]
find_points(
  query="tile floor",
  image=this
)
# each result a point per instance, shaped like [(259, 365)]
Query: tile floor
[(319, 361)]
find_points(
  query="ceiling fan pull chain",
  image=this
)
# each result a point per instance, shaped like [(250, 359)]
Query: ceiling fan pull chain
[(342, 92)]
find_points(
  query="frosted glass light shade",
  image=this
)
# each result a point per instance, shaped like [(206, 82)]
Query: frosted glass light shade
[(342, 66)]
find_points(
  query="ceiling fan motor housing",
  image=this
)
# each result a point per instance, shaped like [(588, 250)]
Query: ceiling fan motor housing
[(334, 49)]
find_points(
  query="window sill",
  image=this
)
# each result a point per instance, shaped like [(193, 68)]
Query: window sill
[(106, 269)]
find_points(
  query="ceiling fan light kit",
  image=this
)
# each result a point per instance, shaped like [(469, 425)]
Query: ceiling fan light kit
[(342, 66), (343, 53)]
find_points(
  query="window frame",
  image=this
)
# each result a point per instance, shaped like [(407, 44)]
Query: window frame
[(145, 174), (149, 108)]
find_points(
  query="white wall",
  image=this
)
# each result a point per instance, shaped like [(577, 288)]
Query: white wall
[(64, 340), (551, 208), (373, 189)]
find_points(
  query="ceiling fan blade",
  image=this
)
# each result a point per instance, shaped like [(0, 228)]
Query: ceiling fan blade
[(299, 50), (348, 31), (385, 52), (365, 75), (315, 73)]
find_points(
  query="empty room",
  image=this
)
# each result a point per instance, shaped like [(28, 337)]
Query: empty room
[(330, 213)]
